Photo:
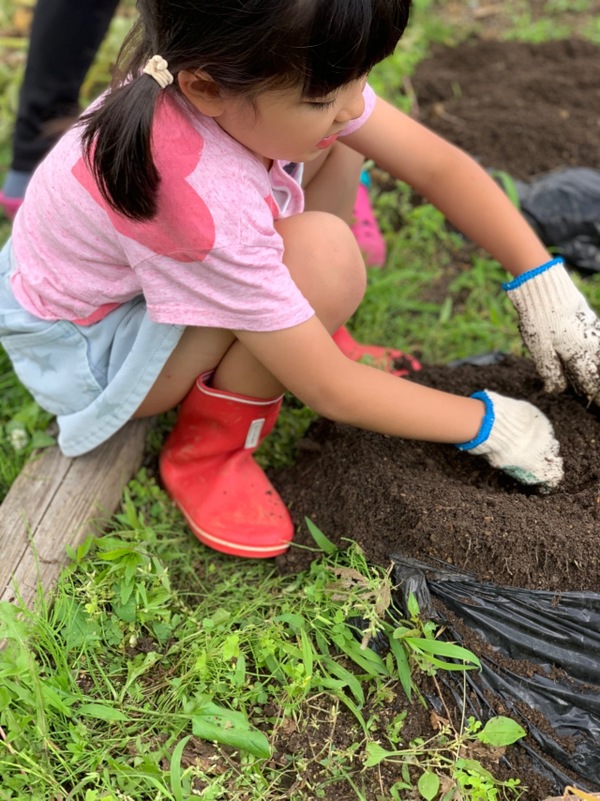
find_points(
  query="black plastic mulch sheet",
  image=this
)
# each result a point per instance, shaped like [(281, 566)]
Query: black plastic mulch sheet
[(543, 662), (563, 206)]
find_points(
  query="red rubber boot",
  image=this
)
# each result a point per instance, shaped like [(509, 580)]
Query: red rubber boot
[(207, 467), (391, 360)]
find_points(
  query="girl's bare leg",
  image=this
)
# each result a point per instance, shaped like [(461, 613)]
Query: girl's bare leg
[(198, 351)]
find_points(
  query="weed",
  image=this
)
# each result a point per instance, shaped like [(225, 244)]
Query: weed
[(139, 661), (443, 768), (23, 426)]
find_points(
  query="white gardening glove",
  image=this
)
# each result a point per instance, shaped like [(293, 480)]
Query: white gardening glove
[(517, 438), (559, 329)]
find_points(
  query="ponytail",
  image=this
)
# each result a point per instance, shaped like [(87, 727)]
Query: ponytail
[(246, 46), (117, 141)]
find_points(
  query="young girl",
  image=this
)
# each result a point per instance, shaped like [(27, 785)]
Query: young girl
[(186, 244)]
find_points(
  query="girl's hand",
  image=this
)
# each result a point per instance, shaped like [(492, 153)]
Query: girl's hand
[(558, 327), (517, 438)]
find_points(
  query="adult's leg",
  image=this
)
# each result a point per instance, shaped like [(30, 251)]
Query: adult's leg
[(65, 37)]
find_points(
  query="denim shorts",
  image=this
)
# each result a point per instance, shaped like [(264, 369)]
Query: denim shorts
[(94, 377)]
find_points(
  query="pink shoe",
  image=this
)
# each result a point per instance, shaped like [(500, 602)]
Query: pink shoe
[(10, 205), (389, 359), (366, 230)]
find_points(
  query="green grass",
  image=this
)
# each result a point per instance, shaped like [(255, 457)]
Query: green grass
[(163, 670), (153, 646)]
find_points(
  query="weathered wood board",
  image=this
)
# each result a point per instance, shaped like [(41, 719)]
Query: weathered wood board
[(568, 796), (57, 501)]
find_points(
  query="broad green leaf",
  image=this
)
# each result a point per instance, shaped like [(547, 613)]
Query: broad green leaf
[(428, 785), (55, 699), (366, 659), (126, 612), (307, 653), (176, 769), (375, 754), (135, 669), (12, 626), (402, 667), (349, 703), (501, 731), (412, 606), (345, 677), (441, 648), (475, 767), (396, 789), (40, 439), (254, 742), (116, 553), (231, 647)]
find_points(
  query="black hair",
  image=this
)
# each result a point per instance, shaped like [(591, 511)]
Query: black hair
[(245, 46)]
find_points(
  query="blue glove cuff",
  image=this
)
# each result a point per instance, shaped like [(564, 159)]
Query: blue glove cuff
[(486, 424), (521, 279)]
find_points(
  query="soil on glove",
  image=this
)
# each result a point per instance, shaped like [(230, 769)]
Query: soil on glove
[(525, 109)]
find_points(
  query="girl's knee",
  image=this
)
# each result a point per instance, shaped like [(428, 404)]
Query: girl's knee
[(325, 261)]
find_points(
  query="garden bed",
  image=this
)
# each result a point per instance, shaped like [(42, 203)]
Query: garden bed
[(428, 500), (432, 503), (525, 109), (514, 106)]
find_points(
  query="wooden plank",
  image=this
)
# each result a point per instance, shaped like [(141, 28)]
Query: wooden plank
[(580, 795), (57, 501)]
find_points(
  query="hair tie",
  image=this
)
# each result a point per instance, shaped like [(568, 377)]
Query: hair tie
[(157, 67)]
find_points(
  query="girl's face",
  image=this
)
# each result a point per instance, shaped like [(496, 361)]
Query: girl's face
[(281, 124)]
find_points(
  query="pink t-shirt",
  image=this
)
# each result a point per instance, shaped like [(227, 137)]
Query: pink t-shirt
[(210, 257)]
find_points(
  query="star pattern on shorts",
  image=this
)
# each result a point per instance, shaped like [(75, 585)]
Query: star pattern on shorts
[(45, 364)]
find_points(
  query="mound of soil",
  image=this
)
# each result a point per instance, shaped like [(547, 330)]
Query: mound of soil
[(428, 500), (525, 109), (518, 107)]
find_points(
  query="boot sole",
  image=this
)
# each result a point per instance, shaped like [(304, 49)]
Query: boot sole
[(232, 548)]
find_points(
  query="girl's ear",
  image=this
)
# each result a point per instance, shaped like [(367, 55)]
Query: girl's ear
[(201, 91)]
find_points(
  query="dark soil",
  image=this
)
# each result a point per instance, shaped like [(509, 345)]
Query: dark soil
[(525, 109), (518, 107), (428, 500)]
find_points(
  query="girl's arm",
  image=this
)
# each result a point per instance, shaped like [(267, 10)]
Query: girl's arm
[(512, 435), (556, 323), (453, 182), (307, 362)]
